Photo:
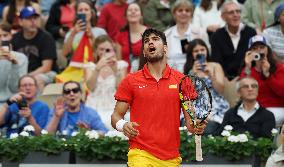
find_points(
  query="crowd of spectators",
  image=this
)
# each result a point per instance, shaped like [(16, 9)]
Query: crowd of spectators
[(242, 39)]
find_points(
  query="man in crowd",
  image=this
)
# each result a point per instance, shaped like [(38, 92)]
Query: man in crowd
[(37, 45)]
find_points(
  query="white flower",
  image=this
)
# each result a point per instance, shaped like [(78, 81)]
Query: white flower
[(74, 133), (92, 134), (233, 139), (24, 133), (44, 132), (182, 128), (115, 133), (274, 131), (228, 127), (211, 137), (14, 135), (29, 128), (225, 133), (243, 138), (64, 132), (63, 139)]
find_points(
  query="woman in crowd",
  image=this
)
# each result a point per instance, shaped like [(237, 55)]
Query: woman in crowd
[(12, 11), (129, 38), (260, 64), (275, 34), (103, 79), (179, 35), (61, 18), (197, 63), (208, 16), (74, 36)]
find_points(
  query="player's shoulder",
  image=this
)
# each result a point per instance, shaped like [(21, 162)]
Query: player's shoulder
[(176, 73)]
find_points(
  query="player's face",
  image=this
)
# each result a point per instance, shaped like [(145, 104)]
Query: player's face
[(248, 89), (154, 50)]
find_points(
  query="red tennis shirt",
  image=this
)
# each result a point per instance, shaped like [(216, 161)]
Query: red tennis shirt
[(155, 106)]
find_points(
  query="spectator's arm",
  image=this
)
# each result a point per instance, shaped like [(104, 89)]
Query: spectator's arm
[(218, 79), (3, 111), (46, 67), (67, 45), (268, 125), (5, 13), (33, 122)]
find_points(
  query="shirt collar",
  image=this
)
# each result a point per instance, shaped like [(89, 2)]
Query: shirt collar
[(147, 74), (241, 26), (256, 107)]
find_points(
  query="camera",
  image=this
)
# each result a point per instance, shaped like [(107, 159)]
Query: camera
[(258, 56), (5, 45), (201, 59), (107, 50), (22, 103)]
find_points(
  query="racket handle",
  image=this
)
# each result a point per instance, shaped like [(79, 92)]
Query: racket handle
[(198, 149)]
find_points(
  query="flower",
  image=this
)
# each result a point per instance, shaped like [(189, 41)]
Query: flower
[(243, 138), (24, 133), (115, 133), (182, 128), (233, 139), (29, 128), (228, 127), (14, 135), (64, 132), (225, 133), (274, 131), (44, 132), (92, 134), (74, 133)]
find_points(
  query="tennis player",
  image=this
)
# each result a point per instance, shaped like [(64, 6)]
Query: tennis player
[(152, 95)]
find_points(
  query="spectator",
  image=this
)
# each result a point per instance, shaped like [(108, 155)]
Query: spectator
[(249, 115), (230, 42), (183, 31), (157, 14), (13, 64), (112, 17), (23, 109), (129, 38), (3, 3), (268, 73), (11, 12), (69, 112), (276, 159), (74, 36), (103, 80), (213, 75), (38, 46), (61, 19), (45, 7), (208, 16), (261, 17), (275, 34)]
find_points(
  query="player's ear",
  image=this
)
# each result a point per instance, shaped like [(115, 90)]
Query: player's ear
[(165, 49)]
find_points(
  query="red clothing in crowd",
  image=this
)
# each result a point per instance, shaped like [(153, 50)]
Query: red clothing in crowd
[(122, 39), (271, 90), (112, 18), (155, 106)]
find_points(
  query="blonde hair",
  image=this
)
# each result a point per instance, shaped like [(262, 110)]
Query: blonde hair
[(182, 3)]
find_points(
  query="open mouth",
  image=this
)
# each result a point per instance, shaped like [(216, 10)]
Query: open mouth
[(152, 49)]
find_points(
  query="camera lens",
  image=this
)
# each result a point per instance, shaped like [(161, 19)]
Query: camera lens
[(107, 50), (256, 57)]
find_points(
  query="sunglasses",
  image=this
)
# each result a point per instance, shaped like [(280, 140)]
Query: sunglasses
[(74, 90)]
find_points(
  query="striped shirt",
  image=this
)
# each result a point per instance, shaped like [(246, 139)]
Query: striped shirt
[(275, 38)]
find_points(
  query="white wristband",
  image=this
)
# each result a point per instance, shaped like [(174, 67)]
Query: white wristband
[(119, 125)]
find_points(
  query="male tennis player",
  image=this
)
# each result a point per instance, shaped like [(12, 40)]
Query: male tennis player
[(152, 95)]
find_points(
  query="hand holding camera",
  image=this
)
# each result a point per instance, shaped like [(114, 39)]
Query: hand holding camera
[(5, 52)]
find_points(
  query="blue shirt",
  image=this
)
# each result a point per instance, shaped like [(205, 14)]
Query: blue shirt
[(85, 115), (15, 123)]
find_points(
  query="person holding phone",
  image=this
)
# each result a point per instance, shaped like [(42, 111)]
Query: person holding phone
[(85, 22), (103, 79), (198, 63), (70, 112), (13, 64), (22, 108)]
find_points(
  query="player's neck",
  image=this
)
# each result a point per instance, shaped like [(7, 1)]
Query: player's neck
[(156, 69)]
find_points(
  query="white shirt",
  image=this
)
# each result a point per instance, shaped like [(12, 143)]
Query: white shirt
[(247, 114), (236, 37)]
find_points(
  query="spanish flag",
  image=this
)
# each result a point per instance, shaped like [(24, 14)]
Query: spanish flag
[(80, 60)]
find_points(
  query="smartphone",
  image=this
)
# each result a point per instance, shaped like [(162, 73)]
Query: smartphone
[(184, 44), (5, 45), (201, 59), (82, 17)]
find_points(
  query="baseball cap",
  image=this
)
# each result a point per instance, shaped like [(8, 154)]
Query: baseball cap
[(257, 39), (28, 12)]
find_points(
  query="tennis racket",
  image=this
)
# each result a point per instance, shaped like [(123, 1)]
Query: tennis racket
[(196, 100)]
